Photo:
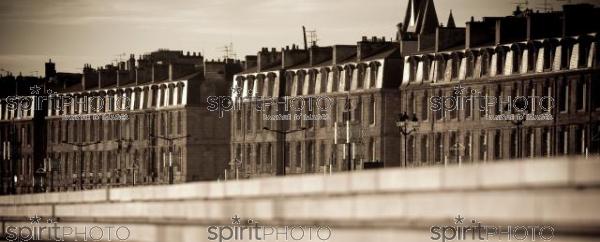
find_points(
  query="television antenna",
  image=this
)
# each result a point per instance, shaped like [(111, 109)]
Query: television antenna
[(547, 7), (521, 4), (567, 1), (312, 35), (228, 52)]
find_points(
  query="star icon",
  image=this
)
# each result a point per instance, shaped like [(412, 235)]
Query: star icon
[(35, 90), (236, 91), (35, 219), (459, 219), (236, 220), (458, 90)]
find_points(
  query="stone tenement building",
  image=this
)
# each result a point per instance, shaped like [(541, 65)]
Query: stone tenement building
[(361, 79), (18, 129), (551, 54), (152, 126)]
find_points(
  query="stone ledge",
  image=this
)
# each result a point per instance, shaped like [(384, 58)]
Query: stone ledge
[(552, 172), (560, 206)]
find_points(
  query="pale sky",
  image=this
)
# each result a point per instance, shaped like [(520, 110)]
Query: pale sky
[(75, 32)]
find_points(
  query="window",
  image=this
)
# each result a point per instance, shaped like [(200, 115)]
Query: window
[(411, 151), (580, 139), (454, 109), (358, 110), (439, 148), (497, 145), (322, 154), (336, 79), (424, 149), (257, 119), (468, 147), (546, 142), (248, 120), (563, 141), (260, 85), (92, 130), (372, 109), (500, 100), (310, 157), (530, 147), (595, 86), (468, 103), (300, 82), (424, 106), (531, 103), (549, 101), (410, 103), (439, 113), (581, 95), (454, 147), (514, 144), (349, 72), (298, 155), (180, 123), (563, 97), (361, 76), (239, 118), (483, 141), (374, 72), (483, 101), (269, 157)]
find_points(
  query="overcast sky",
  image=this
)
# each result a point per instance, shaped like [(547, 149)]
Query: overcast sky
[(74, 32)]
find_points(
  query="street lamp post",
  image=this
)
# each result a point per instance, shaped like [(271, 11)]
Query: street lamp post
[(520, 106), (284, 133), (4, 162), (170, 143), (80, 147), (403, 123), (133, 169), (457, 148), (120, 150)]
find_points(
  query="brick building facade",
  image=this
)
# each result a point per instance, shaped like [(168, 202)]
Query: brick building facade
[(144, 123), (548, 59), (552, 56), (359, 79)]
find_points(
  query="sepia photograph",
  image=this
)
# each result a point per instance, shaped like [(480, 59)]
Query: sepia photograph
[(311, 120)]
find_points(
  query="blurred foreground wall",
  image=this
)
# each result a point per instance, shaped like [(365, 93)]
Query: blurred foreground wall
[(539, 200)]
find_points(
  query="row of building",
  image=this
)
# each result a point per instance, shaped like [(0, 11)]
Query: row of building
[(513, 87), (457, 85), (134, 123)]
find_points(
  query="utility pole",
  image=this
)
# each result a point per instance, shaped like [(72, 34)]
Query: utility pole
[(284, 134), (13, 156), (304, 35), (2, 167), (170, 144), (80, 147), (347, 117), (120, 148)]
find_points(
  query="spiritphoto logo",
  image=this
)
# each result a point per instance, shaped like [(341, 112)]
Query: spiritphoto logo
[(252, 230), (512, 107), (312, 104), (59, 103), (48, 229), (462, 231)]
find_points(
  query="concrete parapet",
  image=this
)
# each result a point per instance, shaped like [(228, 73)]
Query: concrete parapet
[(562, 192)]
